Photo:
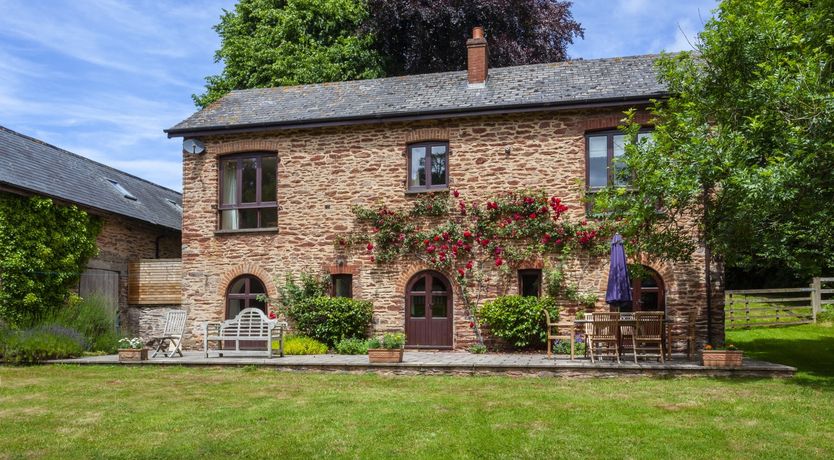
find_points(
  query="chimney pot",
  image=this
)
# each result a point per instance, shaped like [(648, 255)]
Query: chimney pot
[(477, 56)]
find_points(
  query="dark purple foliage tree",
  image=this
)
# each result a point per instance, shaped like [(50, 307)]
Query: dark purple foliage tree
[(421, 36)]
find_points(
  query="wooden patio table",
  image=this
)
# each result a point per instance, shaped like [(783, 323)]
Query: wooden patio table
[(632, 323)]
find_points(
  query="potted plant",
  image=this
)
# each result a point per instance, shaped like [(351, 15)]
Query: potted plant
[(132, 350), (726, 356), (388, 349)]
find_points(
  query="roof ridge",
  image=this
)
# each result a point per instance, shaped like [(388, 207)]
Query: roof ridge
[(326, 83), (47, 144)]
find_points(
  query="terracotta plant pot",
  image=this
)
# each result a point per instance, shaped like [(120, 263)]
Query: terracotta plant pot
[(132, 355), (722, 358), (385, 355)]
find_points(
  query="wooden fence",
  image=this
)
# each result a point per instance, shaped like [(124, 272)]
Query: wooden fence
[(777, 307), (154, 282)]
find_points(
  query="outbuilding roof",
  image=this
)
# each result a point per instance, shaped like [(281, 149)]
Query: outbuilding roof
[(561, 84), (32, 165)]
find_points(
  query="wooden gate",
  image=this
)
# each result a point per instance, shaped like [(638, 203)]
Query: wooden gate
[(777, 307), (104, 283)]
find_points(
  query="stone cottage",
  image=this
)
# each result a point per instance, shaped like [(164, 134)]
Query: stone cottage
[(283, 167)]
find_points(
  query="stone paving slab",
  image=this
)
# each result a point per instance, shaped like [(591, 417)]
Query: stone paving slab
[(465, 363)]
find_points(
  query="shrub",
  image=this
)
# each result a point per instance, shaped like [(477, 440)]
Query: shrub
[(43, 343), (310, 286), (332, 319), (518, 320), (93, 318), (301, 345), (562, 347), (388, 341), (478, 349), (352, 346)]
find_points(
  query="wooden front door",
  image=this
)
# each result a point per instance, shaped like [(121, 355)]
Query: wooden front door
[(243, 293), (428, 311)]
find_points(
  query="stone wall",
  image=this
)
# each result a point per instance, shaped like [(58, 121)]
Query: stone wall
[(123, 240), (323, 172)]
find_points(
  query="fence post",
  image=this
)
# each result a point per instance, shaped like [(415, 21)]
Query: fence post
[(816, 297)]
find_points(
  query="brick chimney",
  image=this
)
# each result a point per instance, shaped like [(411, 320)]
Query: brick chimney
[(476, 58)]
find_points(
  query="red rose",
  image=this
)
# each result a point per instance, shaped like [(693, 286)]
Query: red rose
[(498, 250), (436, 237), (461, 273), (430, 248), (533, 215), (373, 259), (467, 234), (456, 193), (442, 257), (370, 246), (499, 261), (546, 238), (426, 242), (516, 216), (445, 235), (272, 315), (469, 265), (471, 324)]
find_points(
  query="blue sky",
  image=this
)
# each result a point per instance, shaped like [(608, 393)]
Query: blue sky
[(103, 78)]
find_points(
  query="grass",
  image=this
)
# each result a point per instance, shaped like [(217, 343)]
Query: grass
[(153, 412)]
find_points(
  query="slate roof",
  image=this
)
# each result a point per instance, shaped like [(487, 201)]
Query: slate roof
[(29, 164), (553, 84)]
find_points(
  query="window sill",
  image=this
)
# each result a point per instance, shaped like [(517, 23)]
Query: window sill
[(247, 230), (427, 190)]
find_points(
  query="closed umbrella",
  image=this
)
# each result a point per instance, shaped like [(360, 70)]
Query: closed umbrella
[(619, 286)]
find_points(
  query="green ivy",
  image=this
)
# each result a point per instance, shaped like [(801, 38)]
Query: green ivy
[(43, 249)]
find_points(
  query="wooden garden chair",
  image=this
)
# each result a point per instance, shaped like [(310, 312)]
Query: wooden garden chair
[(648, 333), (567, 329), (172, 335), (605, 334)]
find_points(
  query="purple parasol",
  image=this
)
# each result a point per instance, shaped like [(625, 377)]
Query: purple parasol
[(619, 286)]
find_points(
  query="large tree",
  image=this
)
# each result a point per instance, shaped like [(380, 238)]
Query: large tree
[(418, 36), (744, 147), (267, 43)]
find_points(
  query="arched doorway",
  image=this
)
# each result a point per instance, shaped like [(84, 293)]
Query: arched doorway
[(647, 291), (428, 311), (243, 293)]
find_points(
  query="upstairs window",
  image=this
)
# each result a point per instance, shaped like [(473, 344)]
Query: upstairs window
[(248, 189), (604, 158), (428, 166)]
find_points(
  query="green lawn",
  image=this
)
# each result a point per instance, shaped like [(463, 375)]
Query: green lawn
[(123, 412)]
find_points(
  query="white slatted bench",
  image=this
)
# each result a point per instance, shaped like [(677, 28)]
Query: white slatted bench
[(250, 325)]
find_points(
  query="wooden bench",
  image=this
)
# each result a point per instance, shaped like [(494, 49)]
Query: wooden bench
[(250, 325)]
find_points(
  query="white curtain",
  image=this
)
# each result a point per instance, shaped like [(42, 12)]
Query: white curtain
[(229, 220)]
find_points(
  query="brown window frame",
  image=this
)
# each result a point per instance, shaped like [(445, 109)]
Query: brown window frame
[(429, 187), (530, 271), (609, 170), (239, 205), (333, 279), (248, 297)]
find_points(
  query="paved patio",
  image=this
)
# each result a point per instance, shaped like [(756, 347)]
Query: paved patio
[(461, 363)]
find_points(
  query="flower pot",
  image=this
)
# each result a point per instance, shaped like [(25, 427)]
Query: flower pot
[(132, 355), (721, 358), (385, 355)]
